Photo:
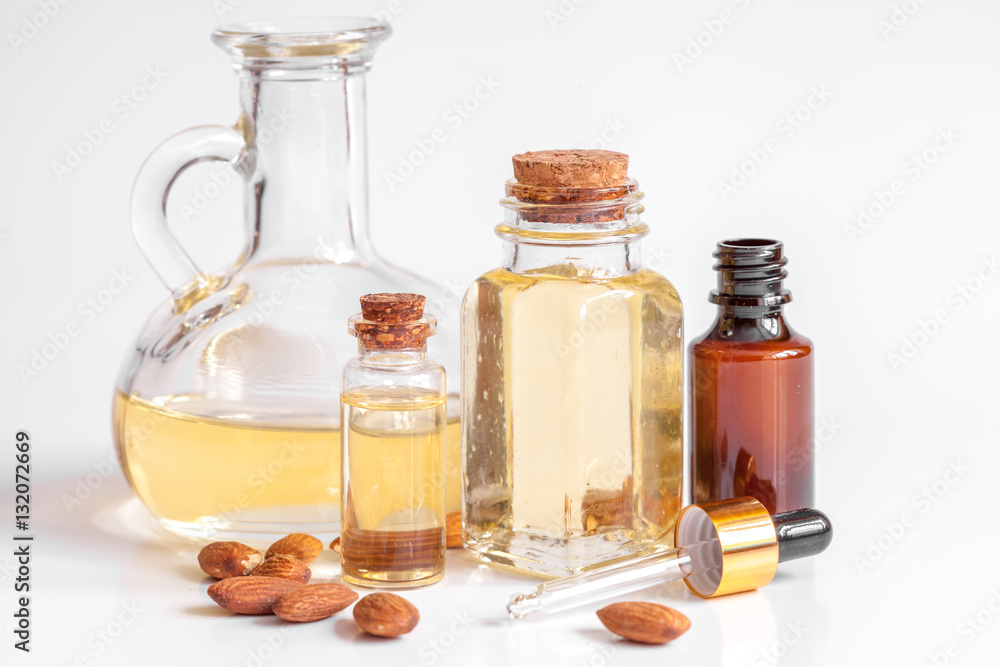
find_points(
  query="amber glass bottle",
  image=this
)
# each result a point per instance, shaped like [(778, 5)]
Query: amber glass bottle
[(751, 381)]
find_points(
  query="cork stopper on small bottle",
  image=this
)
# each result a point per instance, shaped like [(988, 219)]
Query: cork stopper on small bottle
[(392, 321), (392, 307), (571, 168)]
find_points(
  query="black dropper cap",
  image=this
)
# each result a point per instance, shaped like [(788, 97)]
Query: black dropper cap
[(802, 533)]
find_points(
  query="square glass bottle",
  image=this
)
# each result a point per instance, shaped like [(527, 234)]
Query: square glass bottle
[(571, 375)]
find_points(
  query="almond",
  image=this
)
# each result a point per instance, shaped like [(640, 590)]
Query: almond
[(335, 545), (453, 530), (304, 547), (314, 603), (644, 622), (250, 595), (284, 567), (385, 615), (228, 559)]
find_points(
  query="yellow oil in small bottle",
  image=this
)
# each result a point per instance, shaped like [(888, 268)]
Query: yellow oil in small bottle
[(217, 477), (394, 518)]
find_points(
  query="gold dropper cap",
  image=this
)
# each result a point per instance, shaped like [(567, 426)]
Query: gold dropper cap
[(746, 557)]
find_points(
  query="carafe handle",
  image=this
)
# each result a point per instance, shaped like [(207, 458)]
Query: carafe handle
[(156, 177)]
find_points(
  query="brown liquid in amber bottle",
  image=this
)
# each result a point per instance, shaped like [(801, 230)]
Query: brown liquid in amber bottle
[(752, 387)]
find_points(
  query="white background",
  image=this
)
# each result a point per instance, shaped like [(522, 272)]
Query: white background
[(886, 593)]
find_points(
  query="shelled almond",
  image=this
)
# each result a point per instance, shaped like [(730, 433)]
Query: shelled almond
[(644, 622), (250, 595), (283, 567), (385, 615), (299, 545), (228, 559), (314, 603)]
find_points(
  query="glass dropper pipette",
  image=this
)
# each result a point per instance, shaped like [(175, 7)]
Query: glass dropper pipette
[(723, 547), (618, 578)]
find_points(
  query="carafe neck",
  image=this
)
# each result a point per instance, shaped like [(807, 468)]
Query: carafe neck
[(307, 186), (302, 95)]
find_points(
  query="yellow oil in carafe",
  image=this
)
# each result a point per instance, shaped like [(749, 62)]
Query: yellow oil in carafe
[(214, 477)]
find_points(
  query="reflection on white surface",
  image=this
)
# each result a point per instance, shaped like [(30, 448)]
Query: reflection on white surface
[(127, 559)]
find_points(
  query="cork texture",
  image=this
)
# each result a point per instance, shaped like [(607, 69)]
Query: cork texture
[(571, 168), (392, 321), (392, 307)]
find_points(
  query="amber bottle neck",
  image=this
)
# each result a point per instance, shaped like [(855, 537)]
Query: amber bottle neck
[(751, 275), (750, 329)]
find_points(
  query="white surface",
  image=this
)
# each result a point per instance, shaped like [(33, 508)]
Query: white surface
[(887, 436)]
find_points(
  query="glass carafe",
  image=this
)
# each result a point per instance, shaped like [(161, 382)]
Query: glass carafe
[(226, 411)]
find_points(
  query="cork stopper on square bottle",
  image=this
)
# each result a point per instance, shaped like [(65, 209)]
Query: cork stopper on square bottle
[(572, 186), (571, 168), (392, 320)]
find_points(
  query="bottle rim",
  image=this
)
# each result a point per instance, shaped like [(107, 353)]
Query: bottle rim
[(302, 41), (551, 215), (751, 274)]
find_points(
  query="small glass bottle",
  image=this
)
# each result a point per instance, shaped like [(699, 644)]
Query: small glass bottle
[(571, 375), (751, 381), (393, 408)]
